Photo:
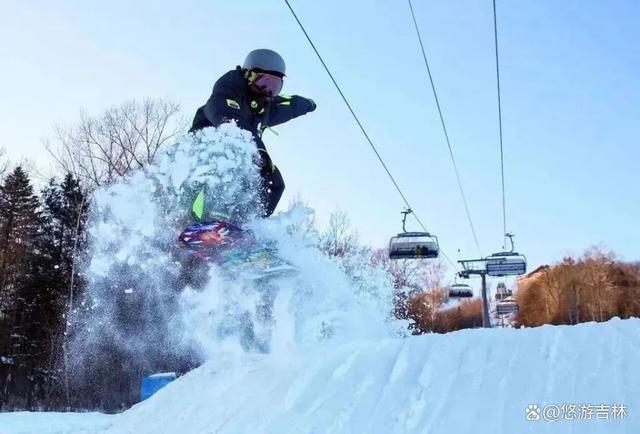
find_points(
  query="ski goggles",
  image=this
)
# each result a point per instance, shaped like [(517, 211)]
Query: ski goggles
[(267, 84)]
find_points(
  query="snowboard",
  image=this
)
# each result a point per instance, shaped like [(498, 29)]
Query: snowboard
[(235, 250)]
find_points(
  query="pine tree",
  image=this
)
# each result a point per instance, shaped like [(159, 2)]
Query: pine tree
[(64, 217), (38, 279), (19, 232), (65, 210)]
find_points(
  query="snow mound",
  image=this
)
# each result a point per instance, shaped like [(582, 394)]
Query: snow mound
[(475, 381)]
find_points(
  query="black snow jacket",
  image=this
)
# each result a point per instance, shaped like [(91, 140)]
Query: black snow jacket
[(232, 98)]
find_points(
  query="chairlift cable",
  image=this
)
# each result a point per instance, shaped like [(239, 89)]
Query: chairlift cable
[(514, 263), (444, 128), (355, 117), (504, 206)]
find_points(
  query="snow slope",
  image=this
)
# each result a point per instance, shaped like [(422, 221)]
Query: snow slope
[(54, 423), (475, 381)]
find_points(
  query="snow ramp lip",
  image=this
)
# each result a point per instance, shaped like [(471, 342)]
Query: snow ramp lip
[(473, 381), (564, 379)]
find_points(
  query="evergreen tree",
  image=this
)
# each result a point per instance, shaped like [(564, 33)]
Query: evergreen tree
[(64, 216), (19, 232), (65, 211), (38, 278)]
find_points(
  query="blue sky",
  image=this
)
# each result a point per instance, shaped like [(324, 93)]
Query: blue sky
[(570, 80)]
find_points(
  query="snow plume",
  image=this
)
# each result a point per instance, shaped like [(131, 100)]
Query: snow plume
[(148, 302), (327, 301), (134, 272)]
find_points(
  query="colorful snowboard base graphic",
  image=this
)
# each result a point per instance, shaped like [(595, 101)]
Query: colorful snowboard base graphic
[(235, 250)]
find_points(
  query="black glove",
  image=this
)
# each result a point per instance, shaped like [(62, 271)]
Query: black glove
[(312, 104)]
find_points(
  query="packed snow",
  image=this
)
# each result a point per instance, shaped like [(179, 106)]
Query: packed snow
[(465, 382), (54, 423), (316, 352), (474, 381)]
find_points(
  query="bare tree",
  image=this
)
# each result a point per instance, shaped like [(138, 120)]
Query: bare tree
[(594, 287), (418, 292), (424, 310), (600, 290), (99, 150), (339, 240), (417, 274), (303, 227)]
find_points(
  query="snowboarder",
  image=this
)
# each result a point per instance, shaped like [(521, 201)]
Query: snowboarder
[(250, 95)]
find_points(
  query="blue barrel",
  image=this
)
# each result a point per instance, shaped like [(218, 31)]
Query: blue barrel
[(155, 382)]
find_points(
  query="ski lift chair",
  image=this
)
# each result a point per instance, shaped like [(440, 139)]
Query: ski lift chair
[(413, 245), (506, 263), (507, 307), (460, 290)]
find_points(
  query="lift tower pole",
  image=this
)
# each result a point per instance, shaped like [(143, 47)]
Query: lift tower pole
[(478, 267), (486, 323)]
